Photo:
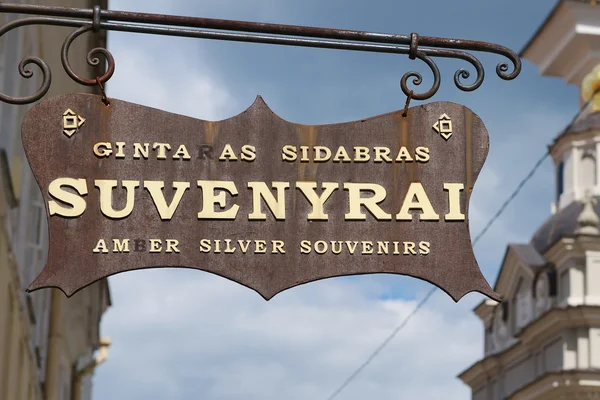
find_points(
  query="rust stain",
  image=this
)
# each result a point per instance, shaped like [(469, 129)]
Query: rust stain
[(210, 132), (307, 135), (407, 139), (468, 155)]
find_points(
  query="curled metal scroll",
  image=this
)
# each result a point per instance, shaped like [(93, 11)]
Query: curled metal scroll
[(91, 60), (459, 75), (26, 72), (417, 47)]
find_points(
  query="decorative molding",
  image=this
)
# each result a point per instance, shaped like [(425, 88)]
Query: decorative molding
[(542, 330)]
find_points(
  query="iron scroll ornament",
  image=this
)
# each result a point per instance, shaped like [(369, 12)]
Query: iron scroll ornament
[(417, 47)]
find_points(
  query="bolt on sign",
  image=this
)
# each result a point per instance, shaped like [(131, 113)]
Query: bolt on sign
[(256, 199)]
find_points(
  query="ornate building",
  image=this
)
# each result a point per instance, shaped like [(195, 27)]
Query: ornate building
[(543, 341), (49, 345)]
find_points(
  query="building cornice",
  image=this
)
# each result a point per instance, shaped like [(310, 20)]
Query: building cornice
[(559, 382), (564, 143), (537, 332), (540, 28), (565, 45), (485, 310)]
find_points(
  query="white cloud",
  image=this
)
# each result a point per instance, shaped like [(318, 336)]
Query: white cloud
[(160, 85), (516, 145), (185, 334)]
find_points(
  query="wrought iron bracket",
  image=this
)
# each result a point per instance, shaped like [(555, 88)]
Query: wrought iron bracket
[(423, 48)]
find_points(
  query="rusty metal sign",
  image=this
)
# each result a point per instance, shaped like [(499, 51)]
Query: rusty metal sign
[(264, 202)]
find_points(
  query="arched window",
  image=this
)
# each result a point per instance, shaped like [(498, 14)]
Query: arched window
[(560, 179)]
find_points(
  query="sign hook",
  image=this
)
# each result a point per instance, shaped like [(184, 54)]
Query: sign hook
[(408, 98), (412, 54), (105, 99)]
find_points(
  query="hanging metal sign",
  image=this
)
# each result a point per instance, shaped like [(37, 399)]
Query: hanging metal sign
[(264, 202)]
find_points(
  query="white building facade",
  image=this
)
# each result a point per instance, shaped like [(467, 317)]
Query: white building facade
[(46, 340), (543, 341)]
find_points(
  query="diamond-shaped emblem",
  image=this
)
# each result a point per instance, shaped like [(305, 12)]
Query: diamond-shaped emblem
[(443, 126), (72, 122)]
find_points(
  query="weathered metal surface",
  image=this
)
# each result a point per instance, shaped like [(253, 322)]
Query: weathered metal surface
[(421, 47), (60, 134)]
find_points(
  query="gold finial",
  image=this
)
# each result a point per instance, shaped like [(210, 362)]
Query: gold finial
[(590, 88)]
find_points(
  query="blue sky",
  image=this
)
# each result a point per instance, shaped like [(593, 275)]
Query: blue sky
[(182, 334)]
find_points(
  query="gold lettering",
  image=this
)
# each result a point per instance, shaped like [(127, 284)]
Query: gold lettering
[(100, 247), (454, 190), (106, 197), (409, 248), (277, 247), (209, 199), (322, 157), (304, 150), (182, 152), (155, 246), (244, 245), (370, 203), (120, 150), (102, 149), (139, 151), (422, 154), (228, 154), (404, 155), (277, 206), (323, 245), (260, 246), (367, 247), (120, 246), (382, 154), (228, 248), (341, 155), (172, 246), (424, 248), (351, 246), (422, 202), (76, 202), (361, 154), (248, 153), (205, 246), (288, 153), (162, 150), (317, 202), (158, 197), (305, 247), (383, 247), (338, 249)]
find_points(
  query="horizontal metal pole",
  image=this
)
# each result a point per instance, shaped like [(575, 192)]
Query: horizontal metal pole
[(421, 47), (256, 27)]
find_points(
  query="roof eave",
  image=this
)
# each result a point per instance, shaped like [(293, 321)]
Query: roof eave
[(522, 53)]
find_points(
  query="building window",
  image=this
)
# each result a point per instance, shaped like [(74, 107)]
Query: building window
[(35, 235), (523, 305), (587, 171), (560, 180), (564, 283), (64, 387)]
